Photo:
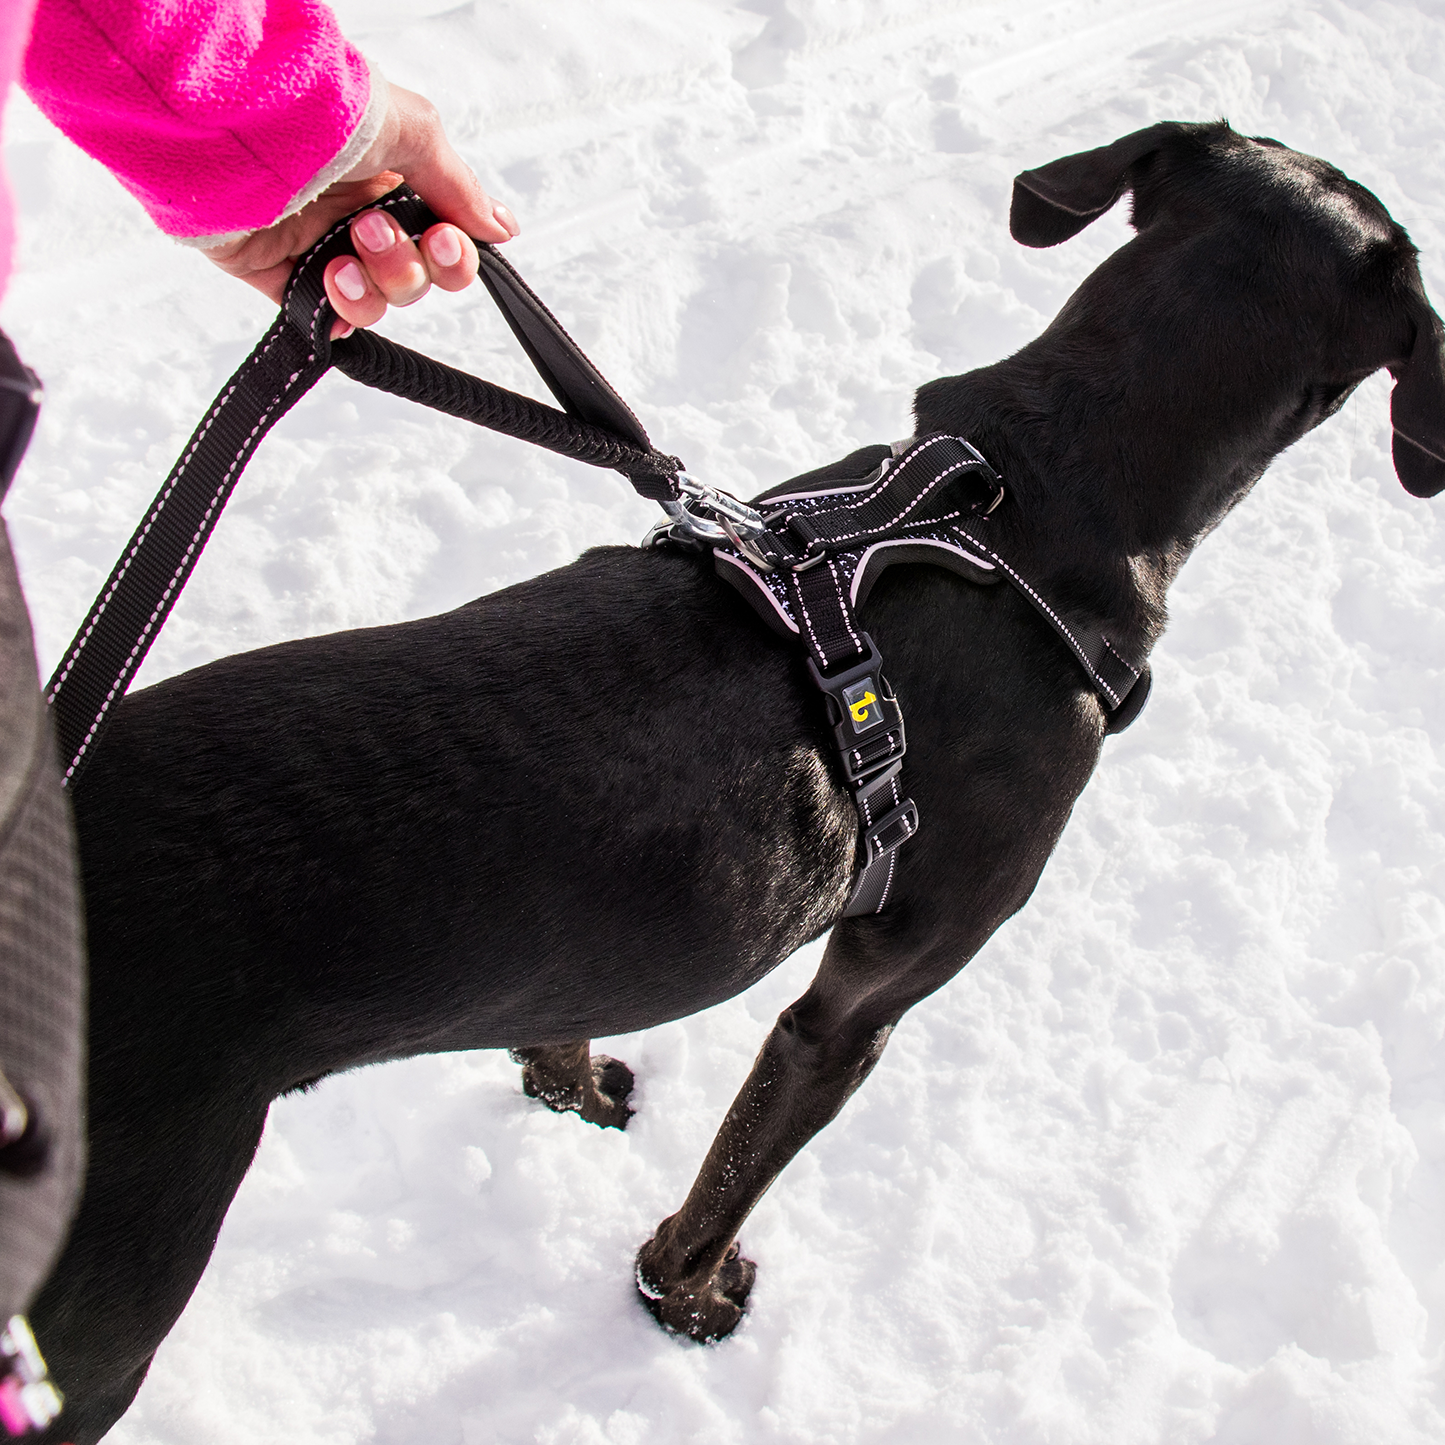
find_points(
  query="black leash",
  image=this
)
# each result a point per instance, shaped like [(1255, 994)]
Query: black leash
[(595, 426)]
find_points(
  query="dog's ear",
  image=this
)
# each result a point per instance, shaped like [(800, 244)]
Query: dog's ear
[(1058, 200), (1417, 408)]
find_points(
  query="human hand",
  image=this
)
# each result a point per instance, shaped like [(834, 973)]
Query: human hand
[(389, 269)]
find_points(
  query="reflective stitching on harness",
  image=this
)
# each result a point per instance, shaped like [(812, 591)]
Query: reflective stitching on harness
[(843, 608), (888, 881), (1068, 633), (762, 586), (770, 502), (894, 521), (1119, 655), (980, 562), (879, 486), (817, 646)]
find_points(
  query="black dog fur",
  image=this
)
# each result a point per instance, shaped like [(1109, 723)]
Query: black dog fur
[(606, 798)]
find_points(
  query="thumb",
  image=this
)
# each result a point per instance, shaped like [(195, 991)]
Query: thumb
[(413, 144), (450, 187)]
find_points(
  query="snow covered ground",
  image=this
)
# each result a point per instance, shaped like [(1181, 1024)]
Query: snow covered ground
[(1167, 1162)]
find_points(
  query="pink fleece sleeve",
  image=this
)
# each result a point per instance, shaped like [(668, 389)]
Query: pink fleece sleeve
[(14, 27), (215, 114)]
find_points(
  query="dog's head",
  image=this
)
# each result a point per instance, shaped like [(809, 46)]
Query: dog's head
[(1330, 283)]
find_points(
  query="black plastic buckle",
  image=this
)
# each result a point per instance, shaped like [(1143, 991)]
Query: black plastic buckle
[(890, 832), (867, 721)]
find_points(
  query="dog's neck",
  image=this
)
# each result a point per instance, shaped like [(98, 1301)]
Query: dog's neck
[(1108, 494)]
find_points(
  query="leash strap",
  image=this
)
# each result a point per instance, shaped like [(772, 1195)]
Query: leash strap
[(594, 426)]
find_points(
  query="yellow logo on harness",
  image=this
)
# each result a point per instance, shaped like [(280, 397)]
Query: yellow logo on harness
[(859, 699), (859, 709)]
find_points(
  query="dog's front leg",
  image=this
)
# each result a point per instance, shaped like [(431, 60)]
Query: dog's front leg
[(567, 1078), (821, 1048)]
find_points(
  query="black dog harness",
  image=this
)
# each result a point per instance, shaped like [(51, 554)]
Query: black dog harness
[(805, 558)]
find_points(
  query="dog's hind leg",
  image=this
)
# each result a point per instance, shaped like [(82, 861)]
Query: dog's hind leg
[(569, 1079), (819, 1051)]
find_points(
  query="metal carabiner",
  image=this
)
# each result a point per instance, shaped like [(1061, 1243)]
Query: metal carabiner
[(708, 514)]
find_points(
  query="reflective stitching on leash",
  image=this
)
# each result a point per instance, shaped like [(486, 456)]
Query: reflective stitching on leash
[(335, 231), (180, 571), (120, 573), (118, 576)]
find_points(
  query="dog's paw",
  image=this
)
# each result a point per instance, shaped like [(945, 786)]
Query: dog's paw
[(606, 1103), (568, 1081), (705, 1312)]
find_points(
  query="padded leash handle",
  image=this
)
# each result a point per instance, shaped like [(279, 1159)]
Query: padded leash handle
[(375, 361), (596, 426), (582, 390)]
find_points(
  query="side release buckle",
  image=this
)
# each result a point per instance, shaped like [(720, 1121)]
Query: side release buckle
[(867, 721)]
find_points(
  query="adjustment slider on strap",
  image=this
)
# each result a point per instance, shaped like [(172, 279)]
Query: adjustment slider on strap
[(890, 832), (883, 835)]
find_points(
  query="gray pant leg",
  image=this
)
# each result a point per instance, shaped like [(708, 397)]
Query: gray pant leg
[(42, 977)]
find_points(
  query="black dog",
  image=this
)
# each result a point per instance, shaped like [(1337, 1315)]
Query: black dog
[(607, 797)]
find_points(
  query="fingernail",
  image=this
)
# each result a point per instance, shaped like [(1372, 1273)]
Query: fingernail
[(507, 219), (350, 282), (343, 333), (445, 248), (374, 232)]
